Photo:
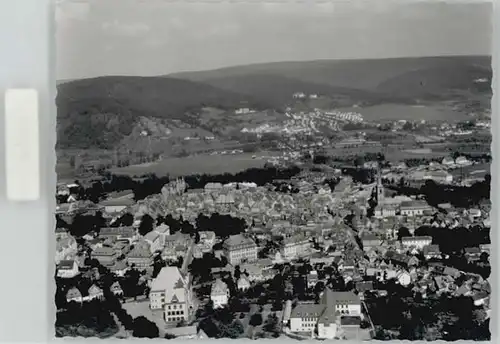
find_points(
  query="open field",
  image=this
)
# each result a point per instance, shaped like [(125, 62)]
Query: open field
[(198, 164), (392, 112)]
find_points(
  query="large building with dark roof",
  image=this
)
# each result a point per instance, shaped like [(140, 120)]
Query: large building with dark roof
[(239, 249)]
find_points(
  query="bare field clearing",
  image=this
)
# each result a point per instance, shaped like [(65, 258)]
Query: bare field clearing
[(198, 164), (393, 112)]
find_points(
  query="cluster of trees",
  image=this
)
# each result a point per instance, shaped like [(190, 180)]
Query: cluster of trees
[(259, 176), (223, 225), (89, 319), (200, 268), (220, 323), (95, 318), (284, 187), (151, 184), (458, 196), (454, 240), (415, 318), (361, 175), (83, 224)]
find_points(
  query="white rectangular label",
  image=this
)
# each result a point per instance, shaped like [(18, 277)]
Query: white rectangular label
[(22, 151)]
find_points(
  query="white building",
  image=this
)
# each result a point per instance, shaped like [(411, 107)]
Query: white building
[(207, 238), (239, 249), (171, 291), (243, 283), (448, 161), (325, 316), (163, 231), (219, 294), (154, 241), (304, 317), (414, 208), (74, 294), (462, 161), (385, 210), (296, 247), (312, 279), (439, 176), (419, 241), (403, 278)]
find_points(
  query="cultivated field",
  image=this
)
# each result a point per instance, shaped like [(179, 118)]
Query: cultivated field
[(198, 164), (393, 112)]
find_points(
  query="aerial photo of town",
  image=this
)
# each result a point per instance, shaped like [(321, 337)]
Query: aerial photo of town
[(252, 197)]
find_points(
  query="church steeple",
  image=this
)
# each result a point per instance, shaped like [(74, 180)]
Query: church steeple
[(380, 188)]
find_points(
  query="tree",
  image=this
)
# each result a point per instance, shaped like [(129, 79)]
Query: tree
[(271, 324), (144, 328), (146, 225), (256, 319), (234, 330), (403, 232), (126, 220), (237, 272)]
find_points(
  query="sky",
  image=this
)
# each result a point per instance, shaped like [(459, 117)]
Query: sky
[(158, 37)]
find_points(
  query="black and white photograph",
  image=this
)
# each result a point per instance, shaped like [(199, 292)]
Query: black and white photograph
[(314, 170)]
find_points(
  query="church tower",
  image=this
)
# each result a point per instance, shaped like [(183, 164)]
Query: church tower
[(380, 189)]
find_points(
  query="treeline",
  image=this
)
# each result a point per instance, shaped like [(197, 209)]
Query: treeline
[(350, 159), (361, 175), (222, 225), (444, 318), (458, 196), (95, 318), (455, 240), (151, 184)]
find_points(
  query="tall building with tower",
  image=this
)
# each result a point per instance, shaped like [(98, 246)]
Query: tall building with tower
[(379, 189)]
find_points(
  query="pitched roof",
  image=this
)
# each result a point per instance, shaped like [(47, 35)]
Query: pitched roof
[(168, 278), (331, 297), (163, 228), (66, 264), (350, 321), (307, 311), (151, 236), (103, 251), (73, 292), (414, 204), (364, 286), (237, 240), (472, 250), (219, 287)]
